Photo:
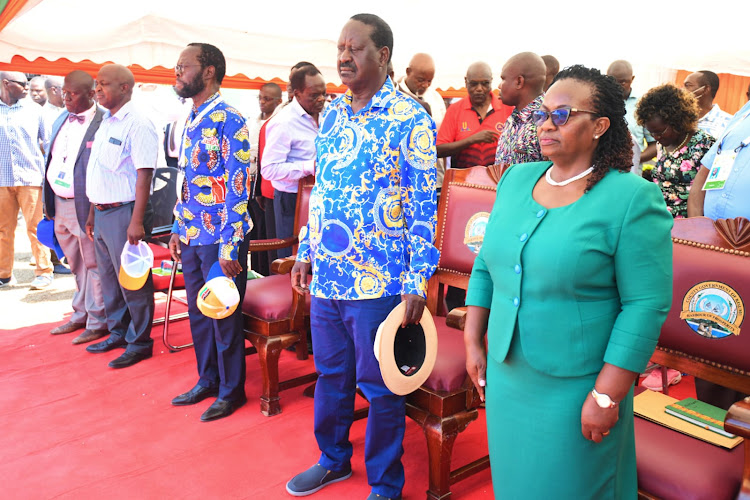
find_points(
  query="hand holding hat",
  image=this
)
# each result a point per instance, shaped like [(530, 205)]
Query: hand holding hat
[(406, 354), (219, 297)]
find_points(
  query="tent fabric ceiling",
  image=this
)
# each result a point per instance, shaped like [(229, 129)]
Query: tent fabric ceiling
[(261, 40)]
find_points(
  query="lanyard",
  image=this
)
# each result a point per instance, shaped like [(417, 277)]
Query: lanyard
[(189, 124), (743, 144)]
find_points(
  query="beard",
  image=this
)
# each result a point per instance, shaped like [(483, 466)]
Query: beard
[(191, 88)]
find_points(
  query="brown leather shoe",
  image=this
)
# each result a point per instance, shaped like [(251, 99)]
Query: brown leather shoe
[(89, 335), (68, 327)]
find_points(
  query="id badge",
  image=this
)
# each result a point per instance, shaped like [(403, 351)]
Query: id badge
[(62, 179), (178, 185), (720, 171)]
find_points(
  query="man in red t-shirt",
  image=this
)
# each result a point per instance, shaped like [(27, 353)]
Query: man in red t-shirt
[(471, 126)]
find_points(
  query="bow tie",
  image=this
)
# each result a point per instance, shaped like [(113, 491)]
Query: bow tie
[(78, 118)]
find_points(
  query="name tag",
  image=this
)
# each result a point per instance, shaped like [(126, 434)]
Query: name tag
[(116, 142), (719, 173)]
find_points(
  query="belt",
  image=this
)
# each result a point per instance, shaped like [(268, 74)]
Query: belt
[(107, 206)]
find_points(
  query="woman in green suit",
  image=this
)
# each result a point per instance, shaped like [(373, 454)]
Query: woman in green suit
[(572, 284)]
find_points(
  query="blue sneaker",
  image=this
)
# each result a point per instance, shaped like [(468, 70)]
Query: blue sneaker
[(314, 479)]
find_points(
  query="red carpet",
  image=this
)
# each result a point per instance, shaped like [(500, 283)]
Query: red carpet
[(74, 428)]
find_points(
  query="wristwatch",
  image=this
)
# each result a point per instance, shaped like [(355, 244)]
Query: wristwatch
[(603, 400)]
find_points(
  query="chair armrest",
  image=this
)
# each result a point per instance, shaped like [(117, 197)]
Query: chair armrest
[(456, 318), (284, 265), (737, 420), (273, 244)]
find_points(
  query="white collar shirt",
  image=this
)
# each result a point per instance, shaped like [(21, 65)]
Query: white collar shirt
[(64, 152), (125, 142)]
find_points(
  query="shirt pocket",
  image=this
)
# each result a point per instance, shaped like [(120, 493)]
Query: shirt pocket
[(109, 155)]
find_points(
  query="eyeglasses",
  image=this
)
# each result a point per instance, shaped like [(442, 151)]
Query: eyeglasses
[(659, 134), (22, 84), (559, 116), (179, 68), (696, 90)]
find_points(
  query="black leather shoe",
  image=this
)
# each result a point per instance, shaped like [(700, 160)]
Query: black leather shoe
[(106, 346), (195, 395), (129, 359), (220, 409)]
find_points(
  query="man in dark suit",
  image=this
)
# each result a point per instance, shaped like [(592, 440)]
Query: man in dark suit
[(65, 202)]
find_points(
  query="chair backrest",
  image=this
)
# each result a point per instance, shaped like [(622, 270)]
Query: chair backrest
[(304, 189), (465, 205), (704, 333)]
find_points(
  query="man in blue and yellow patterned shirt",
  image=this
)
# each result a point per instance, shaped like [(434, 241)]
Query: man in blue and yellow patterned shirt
[(211, 222), (369, 241)]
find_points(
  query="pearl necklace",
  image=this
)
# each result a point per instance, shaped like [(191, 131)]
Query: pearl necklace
[(551, 182)]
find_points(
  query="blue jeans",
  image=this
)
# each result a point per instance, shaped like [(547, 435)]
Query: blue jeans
[(343, 333)]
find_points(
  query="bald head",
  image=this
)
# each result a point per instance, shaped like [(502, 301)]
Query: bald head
[(13, 86), (479, 83), (553, 68), (114, 86), (522, 79), (622, 71), (79, 91), (53, 86), (420, 73)]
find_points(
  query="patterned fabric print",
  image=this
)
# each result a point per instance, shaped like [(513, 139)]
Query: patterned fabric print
[(219, 151), (519, 143), (674, 172), (372, 211)]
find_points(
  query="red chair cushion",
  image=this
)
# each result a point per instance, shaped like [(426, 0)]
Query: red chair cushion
[(449, 373), (161, 283), (270, 298), (672, 465)]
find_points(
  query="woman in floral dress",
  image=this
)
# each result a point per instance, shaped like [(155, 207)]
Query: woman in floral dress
[(671, 114)]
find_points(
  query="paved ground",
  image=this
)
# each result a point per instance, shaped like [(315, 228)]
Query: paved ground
[(19, 306)]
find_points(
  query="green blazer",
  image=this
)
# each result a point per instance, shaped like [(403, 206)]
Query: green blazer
[(583, 284)]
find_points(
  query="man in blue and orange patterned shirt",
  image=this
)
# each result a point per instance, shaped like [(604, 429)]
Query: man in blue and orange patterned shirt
[(211, 222), (369, 240)]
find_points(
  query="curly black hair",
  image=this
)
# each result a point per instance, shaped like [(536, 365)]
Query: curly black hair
[(676, 107), (615, 148)]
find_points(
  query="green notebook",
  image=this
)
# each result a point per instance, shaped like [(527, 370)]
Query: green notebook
[(701, 414)]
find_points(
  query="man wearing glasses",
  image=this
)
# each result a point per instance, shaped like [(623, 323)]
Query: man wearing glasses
[(471, 126), (22, 134)]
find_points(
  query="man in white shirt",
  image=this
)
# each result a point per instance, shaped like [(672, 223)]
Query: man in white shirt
[(65, 202), (290, 153), (118, 184), (417, 84), (704, 84), (269, 100)]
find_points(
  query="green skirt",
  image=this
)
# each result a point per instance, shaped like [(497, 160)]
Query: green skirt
[(536, 447)]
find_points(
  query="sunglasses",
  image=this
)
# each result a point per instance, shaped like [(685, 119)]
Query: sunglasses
[(22, 84), (559, 116)]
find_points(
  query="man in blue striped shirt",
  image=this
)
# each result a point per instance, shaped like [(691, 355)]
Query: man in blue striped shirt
[(22, 133), (118, 184)]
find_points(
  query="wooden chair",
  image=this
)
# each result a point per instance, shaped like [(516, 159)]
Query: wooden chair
[(275, 316), (447, 402), (707, 255)]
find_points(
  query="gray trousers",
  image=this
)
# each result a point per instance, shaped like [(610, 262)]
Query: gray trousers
[(129, 312), (88, 304)]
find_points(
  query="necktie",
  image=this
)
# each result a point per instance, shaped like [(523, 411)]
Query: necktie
[(78, 118)]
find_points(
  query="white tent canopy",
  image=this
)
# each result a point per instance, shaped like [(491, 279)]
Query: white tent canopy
[(263, 39)]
